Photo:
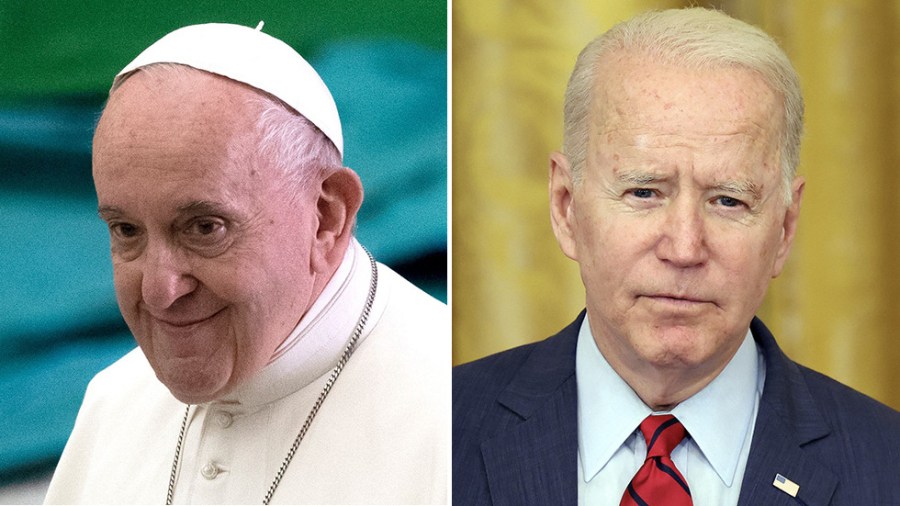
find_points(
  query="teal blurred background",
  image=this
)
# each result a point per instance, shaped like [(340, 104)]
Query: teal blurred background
[(385, 63)]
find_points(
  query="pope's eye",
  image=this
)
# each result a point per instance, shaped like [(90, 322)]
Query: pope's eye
[(642, 193), (205, 227), (205, 232), (123, 230)]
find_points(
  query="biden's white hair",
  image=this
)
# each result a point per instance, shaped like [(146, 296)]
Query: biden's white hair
[(695, 38)]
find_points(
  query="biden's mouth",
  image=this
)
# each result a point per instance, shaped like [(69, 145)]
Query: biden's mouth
[(674, 300)]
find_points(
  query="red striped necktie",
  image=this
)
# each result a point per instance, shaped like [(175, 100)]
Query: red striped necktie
[(657, 482)]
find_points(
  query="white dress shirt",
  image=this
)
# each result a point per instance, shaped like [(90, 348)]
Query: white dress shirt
[(719, 420)]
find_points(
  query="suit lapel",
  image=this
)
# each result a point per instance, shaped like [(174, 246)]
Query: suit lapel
[(787, 420), (534, 461)]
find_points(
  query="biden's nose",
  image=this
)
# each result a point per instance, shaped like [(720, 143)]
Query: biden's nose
[(683, 241)]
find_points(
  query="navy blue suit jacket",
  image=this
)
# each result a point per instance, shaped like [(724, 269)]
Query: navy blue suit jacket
[(515, 434)]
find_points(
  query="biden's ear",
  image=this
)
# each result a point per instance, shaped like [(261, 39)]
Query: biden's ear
[(338, 200), (789, 226), (561, 210)]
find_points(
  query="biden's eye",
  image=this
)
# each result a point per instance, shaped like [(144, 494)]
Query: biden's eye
[(641, 193), (726, 201)]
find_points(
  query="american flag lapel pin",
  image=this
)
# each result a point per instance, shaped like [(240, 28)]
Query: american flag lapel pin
[(785, 485)]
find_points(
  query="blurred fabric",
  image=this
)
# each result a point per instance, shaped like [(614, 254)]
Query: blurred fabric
[(59, 323), (836, 308)]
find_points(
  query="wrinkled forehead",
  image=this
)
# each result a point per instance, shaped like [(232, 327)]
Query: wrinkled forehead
[(178, 94), (192, 126), (632, 91), (185, 115)]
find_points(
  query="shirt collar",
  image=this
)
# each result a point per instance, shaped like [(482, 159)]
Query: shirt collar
[(719, 416), (608, 404), (608, 409), (317, 342)]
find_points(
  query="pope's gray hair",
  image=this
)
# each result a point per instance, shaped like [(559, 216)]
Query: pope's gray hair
[(295, 144), (696, 38), (287, 139)]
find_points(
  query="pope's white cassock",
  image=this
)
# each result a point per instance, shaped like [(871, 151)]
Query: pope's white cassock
[(381, 436)]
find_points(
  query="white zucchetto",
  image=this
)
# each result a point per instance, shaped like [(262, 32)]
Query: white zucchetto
[(251, 57)]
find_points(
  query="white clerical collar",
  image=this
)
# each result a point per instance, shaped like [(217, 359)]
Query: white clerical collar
[(316, 343), (608, 404)]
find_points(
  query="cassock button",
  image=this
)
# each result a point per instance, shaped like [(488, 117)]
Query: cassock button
[(224, 419), (209, 471)]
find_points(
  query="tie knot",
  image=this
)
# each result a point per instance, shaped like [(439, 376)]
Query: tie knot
[(663, 433)]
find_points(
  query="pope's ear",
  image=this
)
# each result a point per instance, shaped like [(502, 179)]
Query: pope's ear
[(789, 226), (337, 202), (561, 204)]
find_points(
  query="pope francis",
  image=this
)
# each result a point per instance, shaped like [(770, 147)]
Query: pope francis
[(278, 361)]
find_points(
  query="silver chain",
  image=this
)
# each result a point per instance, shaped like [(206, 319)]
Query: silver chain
[(177, 454), (332, 378)]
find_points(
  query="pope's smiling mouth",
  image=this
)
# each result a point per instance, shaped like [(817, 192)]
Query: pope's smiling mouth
[(182, 324)]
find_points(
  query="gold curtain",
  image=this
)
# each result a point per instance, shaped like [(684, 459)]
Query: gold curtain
[(836, 308)]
